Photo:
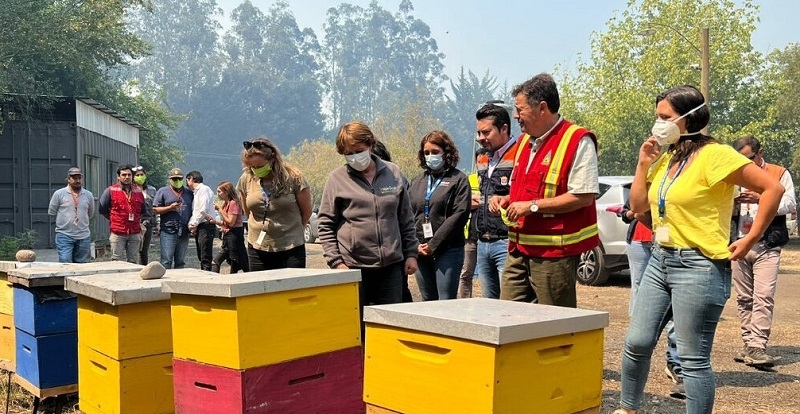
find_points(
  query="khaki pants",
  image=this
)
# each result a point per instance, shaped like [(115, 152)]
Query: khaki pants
[(546, 281), (755, 278)]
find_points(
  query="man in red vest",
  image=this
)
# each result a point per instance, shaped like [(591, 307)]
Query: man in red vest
[(123, 205), (552, 199)]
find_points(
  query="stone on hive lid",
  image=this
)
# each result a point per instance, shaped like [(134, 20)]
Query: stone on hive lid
[(26, 256), (54, 275), (255, 283), (490, 321), (126, 288), (153, 270)]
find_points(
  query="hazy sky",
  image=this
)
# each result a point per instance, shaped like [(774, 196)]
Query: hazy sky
[(515, 39)]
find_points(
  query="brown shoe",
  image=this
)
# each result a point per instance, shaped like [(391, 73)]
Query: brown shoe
[(758, 358)]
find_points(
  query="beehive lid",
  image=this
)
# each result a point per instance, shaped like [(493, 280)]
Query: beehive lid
[(256, 283), (6, 265), (54, 275), (491, 321), (127, 288)]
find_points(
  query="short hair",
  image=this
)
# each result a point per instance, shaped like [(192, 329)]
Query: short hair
[(125, 167), (195, 176), (747, 141), (499, 116), (381, 151), (683, 99), (539, 88), (353, 133), (443, 140)]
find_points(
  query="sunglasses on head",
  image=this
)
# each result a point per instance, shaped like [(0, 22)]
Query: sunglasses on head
[(257, 145), (137, 168)]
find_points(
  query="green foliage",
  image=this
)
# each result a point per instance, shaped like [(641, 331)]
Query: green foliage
[(650, 47), (375, 60), (10, 245)]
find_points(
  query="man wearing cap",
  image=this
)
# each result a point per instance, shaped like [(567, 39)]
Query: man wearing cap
[(174, 203), (73, 206), (123, 205), (201, 224)]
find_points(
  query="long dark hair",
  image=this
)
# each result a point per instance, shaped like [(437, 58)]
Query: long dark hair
[(230, 192), (683, 99)]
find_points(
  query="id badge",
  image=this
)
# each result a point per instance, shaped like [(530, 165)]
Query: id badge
[(261, 237), (662, 234), (130, 216), (427, 230)]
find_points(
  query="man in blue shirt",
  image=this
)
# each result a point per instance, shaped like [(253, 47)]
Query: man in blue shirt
[(73, 206)]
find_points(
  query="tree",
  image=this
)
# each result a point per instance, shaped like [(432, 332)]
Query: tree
[(614, 94), (375, 61), (66, 47), (469, 93)]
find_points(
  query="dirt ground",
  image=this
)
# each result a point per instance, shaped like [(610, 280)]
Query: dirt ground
[(740, 389)]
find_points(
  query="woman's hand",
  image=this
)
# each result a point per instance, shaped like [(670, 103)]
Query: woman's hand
[(740, 247), (410, 265), (424, 250), (341, 266), (649, 151)]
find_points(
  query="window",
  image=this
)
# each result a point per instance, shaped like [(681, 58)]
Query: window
[(112, 172), (91, 174)]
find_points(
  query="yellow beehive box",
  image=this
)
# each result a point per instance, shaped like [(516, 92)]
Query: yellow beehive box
[(262, 318), (7, 343), (506, 357), (135, 385), (123, 316)]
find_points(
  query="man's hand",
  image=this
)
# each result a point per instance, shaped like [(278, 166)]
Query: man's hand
[(747, 196), (496, 203)]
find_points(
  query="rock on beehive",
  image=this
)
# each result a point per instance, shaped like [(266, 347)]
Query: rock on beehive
[(153, 270), (26, 256)]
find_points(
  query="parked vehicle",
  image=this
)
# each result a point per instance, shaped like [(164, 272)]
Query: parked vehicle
[(597, 264), (310, 232)]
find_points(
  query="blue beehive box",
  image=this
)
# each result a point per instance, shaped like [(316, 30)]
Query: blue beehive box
[(48, 361), (45, 311)]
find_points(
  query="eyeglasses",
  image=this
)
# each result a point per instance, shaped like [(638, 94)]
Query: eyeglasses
[(257, 145), (137, 168)]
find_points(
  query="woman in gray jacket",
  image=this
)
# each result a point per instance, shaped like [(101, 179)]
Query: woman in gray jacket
[(365, 220)]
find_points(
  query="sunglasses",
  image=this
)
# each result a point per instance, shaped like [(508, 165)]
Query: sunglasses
[(138, 168), (257, 145), (176, 179), (752, 156)]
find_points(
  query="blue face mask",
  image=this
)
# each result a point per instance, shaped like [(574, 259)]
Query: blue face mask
[(434, 161)]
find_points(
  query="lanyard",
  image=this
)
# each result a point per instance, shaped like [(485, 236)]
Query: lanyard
[(431, 188), (265, 197), (662, 192)]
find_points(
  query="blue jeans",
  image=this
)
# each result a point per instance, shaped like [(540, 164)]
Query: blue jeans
[(638, 256), (491, 262), (71, 250), (173, 249), (438, 276), (695, 288)]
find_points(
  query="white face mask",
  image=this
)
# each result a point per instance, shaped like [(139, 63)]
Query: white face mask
[(667, 132), (359, 161), (434, 161)]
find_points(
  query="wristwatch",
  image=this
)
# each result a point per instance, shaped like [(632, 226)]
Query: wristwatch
[(534, 207)]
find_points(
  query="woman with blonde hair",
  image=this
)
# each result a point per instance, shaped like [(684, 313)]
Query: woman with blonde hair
[(231, 217), (277, 201)]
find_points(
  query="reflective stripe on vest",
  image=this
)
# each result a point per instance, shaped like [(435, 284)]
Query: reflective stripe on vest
[(551, 180), (554, 239)]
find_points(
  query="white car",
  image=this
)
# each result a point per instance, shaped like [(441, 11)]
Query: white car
[(310, 231), (597, 264)]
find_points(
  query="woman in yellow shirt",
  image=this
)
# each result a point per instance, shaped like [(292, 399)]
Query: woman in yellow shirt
[(686, 180)]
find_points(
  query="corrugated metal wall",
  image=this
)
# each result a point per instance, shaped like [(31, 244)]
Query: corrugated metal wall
[(35, 157)]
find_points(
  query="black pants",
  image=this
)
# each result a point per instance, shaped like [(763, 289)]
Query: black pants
[(233, 251), (204, 239), (261, 260), (144, 249), (380, 286)]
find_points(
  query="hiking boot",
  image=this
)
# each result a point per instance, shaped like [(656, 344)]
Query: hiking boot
[(740, 355), (757, 357), (673, 372), (678, 390)]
